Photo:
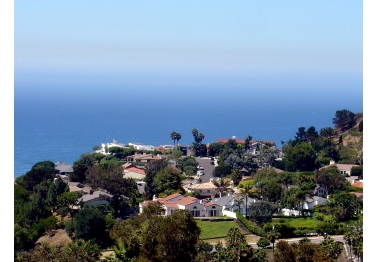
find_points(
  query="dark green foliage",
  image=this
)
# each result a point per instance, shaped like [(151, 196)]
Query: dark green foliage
[(47, 253), (221, 170), (167, 179), (357, 171), (199, 149), (155, 238), (331, 247), (301, 157), (41, 171), (263, 242), (262, 211), (57, 188), (90, 225), (331, 179), (215, 149), (345, 204), (253, 228), (344, 119), (78, 174)]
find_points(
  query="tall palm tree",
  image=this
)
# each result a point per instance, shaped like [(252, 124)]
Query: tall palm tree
[(177, 137), (222, 185), (245, 192), (194, 133), (173, 136), (200, 137)]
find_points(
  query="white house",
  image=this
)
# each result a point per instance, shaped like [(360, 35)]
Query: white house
[(140, 146), (315, 200), (105, 147), (196, 207)]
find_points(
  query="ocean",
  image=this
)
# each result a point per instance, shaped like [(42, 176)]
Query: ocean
[(62, 122)]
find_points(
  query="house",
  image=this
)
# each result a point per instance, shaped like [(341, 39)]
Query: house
[(95, 198), (233, 203), (315, 200), (208, 189), (104, 147), (320, 191), (64, 169), (144, 158), (131, 171), (140, 146), (343, 168), (197, 208)]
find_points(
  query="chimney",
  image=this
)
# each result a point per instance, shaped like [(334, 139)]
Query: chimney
[(332, 162), (154, 198), (91, 191), (234, 137)]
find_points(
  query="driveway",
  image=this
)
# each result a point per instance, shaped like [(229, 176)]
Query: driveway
[(208, 168)]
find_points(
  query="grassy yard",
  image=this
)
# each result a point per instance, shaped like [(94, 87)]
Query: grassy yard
[(306, 222), (211, 229)]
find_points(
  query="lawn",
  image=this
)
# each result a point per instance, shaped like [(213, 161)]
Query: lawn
[(302, 222), (211, 229)]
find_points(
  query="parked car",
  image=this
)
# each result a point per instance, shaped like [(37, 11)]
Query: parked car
[(201, 168)]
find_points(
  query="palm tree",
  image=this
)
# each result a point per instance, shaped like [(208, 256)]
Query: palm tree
[(200, 137), (173, 136), (222, 185), (246, 192), (194, 133), (177, 137), (272, 236)]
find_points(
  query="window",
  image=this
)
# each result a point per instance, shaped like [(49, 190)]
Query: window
[(208, 191), (213, 213)]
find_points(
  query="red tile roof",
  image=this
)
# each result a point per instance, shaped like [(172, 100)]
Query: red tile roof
[(187, 201), (135, 169), (358, 184)]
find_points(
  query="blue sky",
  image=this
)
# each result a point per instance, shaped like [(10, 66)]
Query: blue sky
[(171, 40)]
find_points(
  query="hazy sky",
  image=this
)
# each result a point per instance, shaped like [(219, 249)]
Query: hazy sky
[(186, 39)]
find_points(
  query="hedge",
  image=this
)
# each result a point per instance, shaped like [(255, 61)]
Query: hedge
[(255, 230)]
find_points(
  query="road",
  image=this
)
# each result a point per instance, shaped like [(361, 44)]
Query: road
[(208, 168)]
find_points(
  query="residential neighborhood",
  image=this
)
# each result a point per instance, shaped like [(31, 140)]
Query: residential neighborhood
[(262, 189)]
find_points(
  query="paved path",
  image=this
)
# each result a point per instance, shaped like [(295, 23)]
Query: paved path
[(242, 227)]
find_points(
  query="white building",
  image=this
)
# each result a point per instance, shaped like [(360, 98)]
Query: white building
[(196, 207), (140, 146)]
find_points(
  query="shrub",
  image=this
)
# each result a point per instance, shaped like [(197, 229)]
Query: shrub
[(255, 230), (63, 211)]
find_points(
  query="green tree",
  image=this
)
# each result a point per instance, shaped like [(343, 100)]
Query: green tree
[(331, 179), (167, 179), (284, 252), (272, 236), (262, 211), (173, 136), (263, 242), (236, 176), (78, 174), (301, 157), (57, 188), (331, 247), (154, 238), (247, 143), (39, 172), (221, 170), (311, 134), (344, 119), (90, 225), (178, 137)]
